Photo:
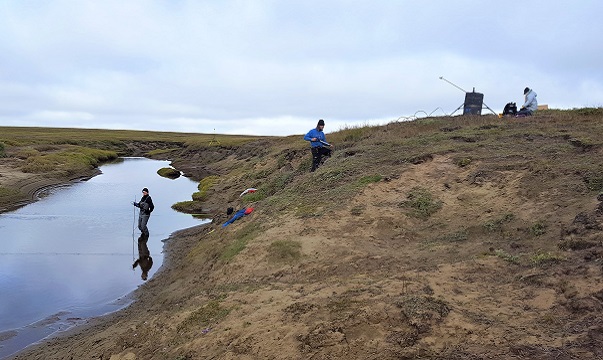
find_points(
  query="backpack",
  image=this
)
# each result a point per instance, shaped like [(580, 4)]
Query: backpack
[(510, 109)]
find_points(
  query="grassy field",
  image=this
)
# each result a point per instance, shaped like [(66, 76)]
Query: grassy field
[(22, 136)]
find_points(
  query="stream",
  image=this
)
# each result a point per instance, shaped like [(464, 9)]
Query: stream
[(69, 256)]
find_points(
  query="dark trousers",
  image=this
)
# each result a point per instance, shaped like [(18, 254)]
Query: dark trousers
[(142, 224), (524, 112), (317, 155)]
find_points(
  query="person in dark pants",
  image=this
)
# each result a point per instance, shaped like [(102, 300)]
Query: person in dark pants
[(146, 208), (145, 261), (318, 144)]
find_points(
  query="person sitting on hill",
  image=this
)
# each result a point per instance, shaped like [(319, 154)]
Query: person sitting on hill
[(530, 105)]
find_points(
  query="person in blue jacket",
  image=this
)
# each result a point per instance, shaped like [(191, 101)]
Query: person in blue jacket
[(318, 144)]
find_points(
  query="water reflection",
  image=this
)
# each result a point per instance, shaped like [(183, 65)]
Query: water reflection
[(145, 261)]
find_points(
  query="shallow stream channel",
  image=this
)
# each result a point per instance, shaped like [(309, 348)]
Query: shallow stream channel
[(68, 256)]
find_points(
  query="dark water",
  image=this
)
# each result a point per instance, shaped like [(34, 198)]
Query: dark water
[(69, 256)]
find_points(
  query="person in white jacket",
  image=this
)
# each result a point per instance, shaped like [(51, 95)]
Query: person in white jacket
[(530, 105)]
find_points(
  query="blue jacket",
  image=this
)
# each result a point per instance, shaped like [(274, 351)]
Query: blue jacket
[(237, 215), (315, 133)]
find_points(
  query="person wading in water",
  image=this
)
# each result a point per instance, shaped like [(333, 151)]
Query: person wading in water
[(146, 208)]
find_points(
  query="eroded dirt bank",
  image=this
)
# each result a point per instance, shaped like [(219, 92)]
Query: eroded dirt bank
[(452, 239), (27, 186)]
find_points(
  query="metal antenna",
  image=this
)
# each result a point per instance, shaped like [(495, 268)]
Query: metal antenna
[(456, 86)]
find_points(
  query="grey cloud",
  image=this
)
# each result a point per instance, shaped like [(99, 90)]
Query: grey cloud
[(268, 63)]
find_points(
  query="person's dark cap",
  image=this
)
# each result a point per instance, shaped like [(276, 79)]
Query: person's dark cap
[(525, 91), (321, 122), (145, 190)]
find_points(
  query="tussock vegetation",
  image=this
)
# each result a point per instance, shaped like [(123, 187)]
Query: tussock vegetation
[(544, 258), (514, 259), (421, 203), (195, 206), (111, 139), (285, 251), (201, 319), (189, 207), (241, 239), (204, 186), (71, 160), (159, 145), (169, 173)]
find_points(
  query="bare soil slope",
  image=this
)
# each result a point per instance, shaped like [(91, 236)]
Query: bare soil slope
[(462, 238)]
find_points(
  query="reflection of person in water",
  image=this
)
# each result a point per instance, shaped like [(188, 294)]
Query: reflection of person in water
[(145, 261)]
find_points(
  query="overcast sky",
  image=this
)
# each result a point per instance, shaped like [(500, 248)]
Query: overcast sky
[(274, 67)]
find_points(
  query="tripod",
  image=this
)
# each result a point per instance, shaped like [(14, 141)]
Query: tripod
[(214, 141), (463, 104)]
